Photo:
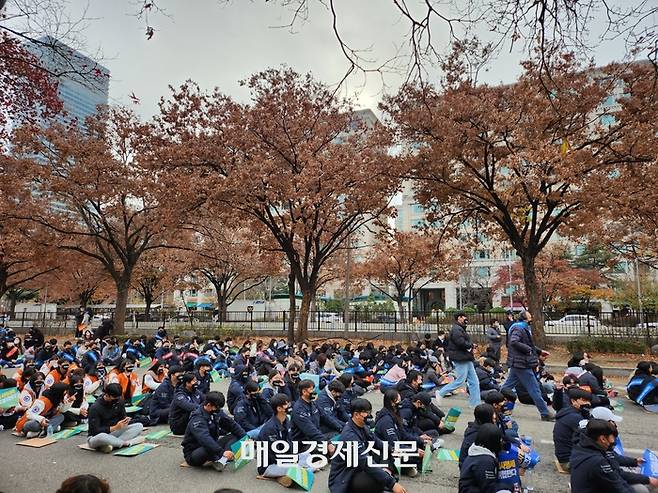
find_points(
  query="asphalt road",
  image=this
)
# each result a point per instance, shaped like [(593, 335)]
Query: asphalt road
[(27, 470)]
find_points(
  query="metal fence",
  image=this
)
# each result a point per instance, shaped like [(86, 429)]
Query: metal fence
[(627, 325)]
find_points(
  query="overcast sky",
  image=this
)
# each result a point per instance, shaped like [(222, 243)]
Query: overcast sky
[(217, 44)]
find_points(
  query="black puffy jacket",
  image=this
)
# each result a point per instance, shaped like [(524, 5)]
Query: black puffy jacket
[(459, 344)]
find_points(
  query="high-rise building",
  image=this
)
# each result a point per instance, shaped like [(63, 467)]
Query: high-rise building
[(83, 84)]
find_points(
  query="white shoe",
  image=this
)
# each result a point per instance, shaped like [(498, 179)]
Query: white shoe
[(32, 434), (135, 441)]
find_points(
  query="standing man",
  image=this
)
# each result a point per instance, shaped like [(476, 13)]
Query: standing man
[(460, 352), (509, 321), (522, 360)]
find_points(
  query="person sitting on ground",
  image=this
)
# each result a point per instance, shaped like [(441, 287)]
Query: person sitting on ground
[(84, 483), (124, 374), (329, 403), (566, 424), (240, 378), (643, 386), (351, 392), (252, 411), (202, 369), (434, 373), (396, 373), (160, 403), (187, 398), (111, 354), (361, 477), (277, 429), (79, 407), (486, 377), (390, 428), (31, 391), (626, 466), (484, 413), (46, 412), (560, 397), (210, 433), (592, 471), (153, 377), (60, 374), (109, 427), (307, 419), (479, 471), (412, 411), (274, 385)]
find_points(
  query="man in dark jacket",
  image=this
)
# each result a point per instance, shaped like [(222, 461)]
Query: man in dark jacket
[(203, 440), (484, 413), (592, 471), (109, 427), (202, 369), (410, 385), (522, 359), (361, 477), (507, 323), (413, 412), (236, 388), (306, 417), (252, 411), (187, 398), (460, 352), (329, 403), (479, 471), (566, 424), (160, 402)]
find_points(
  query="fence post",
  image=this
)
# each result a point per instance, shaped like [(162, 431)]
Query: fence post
[(395, 321), (356, 317), (251, 321), (284, 321), (23, 319)]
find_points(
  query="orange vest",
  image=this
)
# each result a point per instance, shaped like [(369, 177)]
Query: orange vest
[(122, 380), (156, 377), (56, 377), (41, 406)]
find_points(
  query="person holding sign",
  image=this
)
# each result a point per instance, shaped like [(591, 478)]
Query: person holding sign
[(109, 426), (361, 477)]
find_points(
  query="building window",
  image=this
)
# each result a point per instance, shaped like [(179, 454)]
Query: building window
[(481, 254)]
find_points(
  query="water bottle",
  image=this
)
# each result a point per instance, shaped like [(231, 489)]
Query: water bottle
[(49, 431)]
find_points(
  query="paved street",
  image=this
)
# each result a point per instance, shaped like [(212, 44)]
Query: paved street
[(158, 471)]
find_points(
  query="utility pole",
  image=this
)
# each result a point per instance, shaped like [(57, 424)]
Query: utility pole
[(346, 296)]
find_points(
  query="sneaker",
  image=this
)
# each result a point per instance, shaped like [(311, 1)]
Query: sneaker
[(106, 449), (284, 481), (32, 434), (135, 441), (219, 466), (411, 472), (548, 417)]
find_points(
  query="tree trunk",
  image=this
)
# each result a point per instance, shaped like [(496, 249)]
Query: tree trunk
[(302, 328), (12, 304), (292, 308), (400, 309), (148, 301), (123, 288), (222, 308), (534, 296)]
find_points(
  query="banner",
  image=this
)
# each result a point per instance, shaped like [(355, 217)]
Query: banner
[(650, 466), (9, 398), (145, 361), (448, 455), (619, 448), (216, 377), (302, 477)]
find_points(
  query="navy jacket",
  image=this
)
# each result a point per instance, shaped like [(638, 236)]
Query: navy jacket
[(252, 412), (329, 412), (522, 352), (487, 381), (410, 416), (479, 472), (290, 388), (592, 471), (340, 475), (346, 403), (204, 382), (204, 429), (306, 420), (469, 439), (236, 388), (181, 407), (387, 429), (272, 431), (566, 424), (161, 398), (459, 344)]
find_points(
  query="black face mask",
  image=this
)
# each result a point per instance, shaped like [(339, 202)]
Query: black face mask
[(278, 383), (585, 410), (78, 388)]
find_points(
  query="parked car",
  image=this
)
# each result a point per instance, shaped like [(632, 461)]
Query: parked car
[(649, 325), (575, 322), (329, 318)]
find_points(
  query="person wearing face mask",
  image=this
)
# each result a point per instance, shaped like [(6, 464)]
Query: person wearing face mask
[(390, 428), (479, 471), (109, 427), (592, 471), (413, 412), (111, 353), (9, 353), (484, 414), (328, 402), (274, 385), (277, 429), (46, 411), (522, 359), (80, 407), (307, 419), (252, 411), (560, 398), (360, 477), (202, 369), (59, 374), (124, 374), (240, 378), (210, 433), (625, 465), (566, 424), (31, 391), (187, 398), (460, 352), (291, 380), (160, 403), (153, 377), (94, 378), (166, 354)]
